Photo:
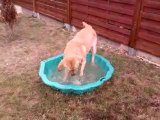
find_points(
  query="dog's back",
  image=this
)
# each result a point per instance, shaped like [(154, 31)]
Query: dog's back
[(86, 36)]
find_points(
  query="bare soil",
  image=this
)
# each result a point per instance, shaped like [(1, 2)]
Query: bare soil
[(132, 94)]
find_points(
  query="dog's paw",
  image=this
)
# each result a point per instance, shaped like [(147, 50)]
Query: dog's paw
[(81, 75), (93, 64), (77, 82)]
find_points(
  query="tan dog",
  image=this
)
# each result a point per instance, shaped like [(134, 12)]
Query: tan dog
[(77, 49)]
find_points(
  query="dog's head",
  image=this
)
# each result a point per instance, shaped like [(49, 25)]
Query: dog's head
[(71, 64)]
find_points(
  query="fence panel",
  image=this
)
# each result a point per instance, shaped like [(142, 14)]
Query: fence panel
[(111, 18), (56, 9), (148, 38)]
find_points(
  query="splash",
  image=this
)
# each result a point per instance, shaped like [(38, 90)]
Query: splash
[(92, 73)]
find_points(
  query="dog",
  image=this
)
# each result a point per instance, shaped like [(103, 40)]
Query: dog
[(76, 50)]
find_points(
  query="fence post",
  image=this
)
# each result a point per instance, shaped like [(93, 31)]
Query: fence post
[(136, 23), (34, 14), (34, 5), (68, 24), (69, 11)]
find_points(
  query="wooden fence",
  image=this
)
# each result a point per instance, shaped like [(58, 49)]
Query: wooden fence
[(135, 23), (111, 18)]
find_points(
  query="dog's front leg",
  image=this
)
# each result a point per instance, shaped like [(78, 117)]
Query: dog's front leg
[(94, 50), (65, 75), (82, 67)]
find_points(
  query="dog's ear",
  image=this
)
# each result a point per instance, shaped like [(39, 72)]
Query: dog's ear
[(61, 65)]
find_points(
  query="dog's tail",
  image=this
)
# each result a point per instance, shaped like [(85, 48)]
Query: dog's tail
[(85, 24)]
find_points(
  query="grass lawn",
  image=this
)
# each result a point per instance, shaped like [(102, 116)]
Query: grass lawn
[(133, 93)]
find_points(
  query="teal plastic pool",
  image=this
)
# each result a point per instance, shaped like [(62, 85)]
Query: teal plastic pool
[(51, 63)]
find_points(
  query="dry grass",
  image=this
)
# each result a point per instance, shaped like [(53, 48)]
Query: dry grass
[(133, 93)]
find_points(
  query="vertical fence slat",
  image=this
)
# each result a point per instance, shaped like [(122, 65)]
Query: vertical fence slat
[(69, 11), (136, 23), (34, 5)]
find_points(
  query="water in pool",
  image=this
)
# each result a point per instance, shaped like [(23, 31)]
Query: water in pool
[(92, 73)]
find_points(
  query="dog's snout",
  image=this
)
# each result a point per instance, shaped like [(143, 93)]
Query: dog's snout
[(72, 73)]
